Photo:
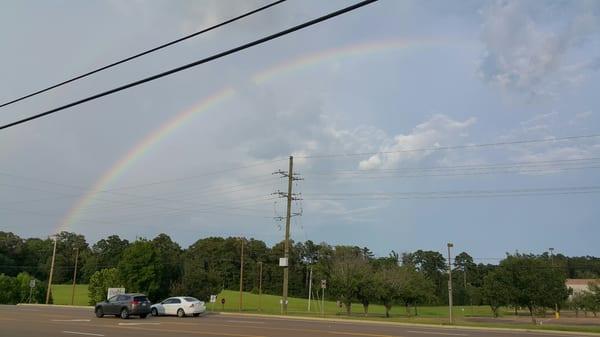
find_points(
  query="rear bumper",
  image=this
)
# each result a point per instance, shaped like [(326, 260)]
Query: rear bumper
[(140, 310), (196, 310)]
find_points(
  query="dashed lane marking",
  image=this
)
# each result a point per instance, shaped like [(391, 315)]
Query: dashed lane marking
[(71, 320), (82, 333), (438, 333), (128, 324), (249, 322)]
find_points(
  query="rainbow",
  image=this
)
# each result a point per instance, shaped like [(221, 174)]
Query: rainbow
[(268, 74), (139, 150)]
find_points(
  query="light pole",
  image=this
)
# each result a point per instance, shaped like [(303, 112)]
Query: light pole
[(260, 264), (556, 313), (76, 249), (450, 245), (241, 273), (51, 271)]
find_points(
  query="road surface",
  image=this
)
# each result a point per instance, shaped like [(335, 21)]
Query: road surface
[(36, 321)]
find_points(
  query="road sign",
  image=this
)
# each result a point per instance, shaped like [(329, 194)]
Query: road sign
[(323, 284), (32, 284), (283, 262), (213, 298), (114, 291)]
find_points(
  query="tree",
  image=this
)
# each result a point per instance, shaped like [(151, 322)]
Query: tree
[(348, 271), (530, 281), (433, 266), (497, 290), (415, 288), (139, 270), (100, 281)]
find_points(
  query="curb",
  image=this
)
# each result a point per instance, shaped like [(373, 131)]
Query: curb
[(440, 326), (55, 306)]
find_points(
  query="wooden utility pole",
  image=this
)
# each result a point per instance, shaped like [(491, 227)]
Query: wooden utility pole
[(287, 236), (259, 286), (51, 271), (241, 274), (309, 288), (74, 276)]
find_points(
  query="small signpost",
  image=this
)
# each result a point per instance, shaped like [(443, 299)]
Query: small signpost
[(213, 299), (31, 286), (323, 286), (223, 303)]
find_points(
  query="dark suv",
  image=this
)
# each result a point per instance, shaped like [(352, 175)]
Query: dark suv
[(124, 305)]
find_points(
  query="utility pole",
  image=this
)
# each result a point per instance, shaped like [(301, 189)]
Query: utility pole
[(241, 273), (309, 288), (51, 271), (450, 245), (260, 286), (74, 275), (285, 263)]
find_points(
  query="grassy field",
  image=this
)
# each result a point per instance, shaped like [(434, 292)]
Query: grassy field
[(61, 294)]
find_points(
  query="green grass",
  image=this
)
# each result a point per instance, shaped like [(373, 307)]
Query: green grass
[(61, 294)]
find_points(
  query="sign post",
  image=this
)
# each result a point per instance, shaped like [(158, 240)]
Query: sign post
[(323, 286), (31, 286), (213, 299)]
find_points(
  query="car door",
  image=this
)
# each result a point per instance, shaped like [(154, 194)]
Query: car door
[(122, 301), (110, 307), (166, 305), (171, 308)]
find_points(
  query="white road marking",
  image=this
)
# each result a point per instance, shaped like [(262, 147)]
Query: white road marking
[(139, 323), (71, 320), (438, 333), (82, 333), (250, 322)]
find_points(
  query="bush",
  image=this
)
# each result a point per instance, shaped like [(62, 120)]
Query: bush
[(15, 290)]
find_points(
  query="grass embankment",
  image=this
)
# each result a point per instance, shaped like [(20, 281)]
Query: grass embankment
[(269, 304), (61, 294)]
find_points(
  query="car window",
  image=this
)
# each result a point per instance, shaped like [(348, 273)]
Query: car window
[(140, 298), (113, 299), (122, 298), (191, 299), (176, 300), (167, 301)]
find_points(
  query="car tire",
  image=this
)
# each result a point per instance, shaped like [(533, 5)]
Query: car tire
[(124, 313), (143, 315), (180, 313), (196, 315), (154, 312), (99, 313)]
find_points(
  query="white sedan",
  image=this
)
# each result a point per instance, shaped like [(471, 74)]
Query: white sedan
[(180, 306)]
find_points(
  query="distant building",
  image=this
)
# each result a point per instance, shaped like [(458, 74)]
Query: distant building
[(579, 284)]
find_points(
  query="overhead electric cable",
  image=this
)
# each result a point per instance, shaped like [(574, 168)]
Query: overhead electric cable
[(143, 53), (195, 63)]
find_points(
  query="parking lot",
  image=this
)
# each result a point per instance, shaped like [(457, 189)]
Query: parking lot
[(35, 321)]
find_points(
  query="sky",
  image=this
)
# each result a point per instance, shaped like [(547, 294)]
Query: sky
[(384, 110)]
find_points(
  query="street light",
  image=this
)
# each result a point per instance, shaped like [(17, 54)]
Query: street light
[(450, 245), (556, 313)]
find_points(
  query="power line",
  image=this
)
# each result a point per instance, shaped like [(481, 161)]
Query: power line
[(452, 147), (142, 53), (195, 63)]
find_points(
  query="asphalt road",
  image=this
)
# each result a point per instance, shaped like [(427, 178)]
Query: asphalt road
[(30, 321)]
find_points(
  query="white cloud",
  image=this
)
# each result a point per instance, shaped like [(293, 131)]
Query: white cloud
[(439, 130), (525, 44)]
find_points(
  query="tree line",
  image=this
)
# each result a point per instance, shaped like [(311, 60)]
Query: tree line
[(160, 267)]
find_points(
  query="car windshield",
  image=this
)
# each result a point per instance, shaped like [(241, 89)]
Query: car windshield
[(140, 299), (191, 299)]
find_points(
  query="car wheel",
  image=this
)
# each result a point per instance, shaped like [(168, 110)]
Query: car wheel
[(154, 312), (143, 315), (180, 313), (124, 313), (196, 315), (99, 313)]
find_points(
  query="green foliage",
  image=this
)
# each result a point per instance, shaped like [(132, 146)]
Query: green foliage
[(100, 281), (140, 268), (15, 290)]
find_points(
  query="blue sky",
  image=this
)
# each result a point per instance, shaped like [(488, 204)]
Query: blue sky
[(469, 73)]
